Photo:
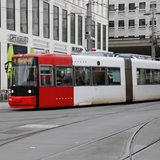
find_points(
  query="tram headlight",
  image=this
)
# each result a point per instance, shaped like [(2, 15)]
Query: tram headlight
[(12, 91), (29, 91)]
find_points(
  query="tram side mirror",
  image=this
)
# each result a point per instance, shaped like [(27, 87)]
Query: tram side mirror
[(6, 66)]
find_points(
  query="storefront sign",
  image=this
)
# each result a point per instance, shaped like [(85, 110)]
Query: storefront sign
[(18, 39), (77, 49), (60, 48)]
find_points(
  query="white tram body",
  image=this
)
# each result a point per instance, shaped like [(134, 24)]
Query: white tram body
[(90, 95), (148, 90), (131, 89)]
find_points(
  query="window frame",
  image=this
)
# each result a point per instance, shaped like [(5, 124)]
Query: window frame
[(43, 76)]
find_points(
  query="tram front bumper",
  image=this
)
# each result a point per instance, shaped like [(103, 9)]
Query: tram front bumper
[(25, 102)]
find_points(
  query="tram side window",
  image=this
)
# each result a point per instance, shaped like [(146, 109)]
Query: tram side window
[(141, 79), (148, 76), (64, 76), (82, 76), (156, 76), (98, 75), (46, 75), (144, 76), (113, 76)]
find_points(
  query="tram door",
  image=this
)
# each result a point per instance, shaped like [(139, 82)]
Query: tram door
[(46, 86)]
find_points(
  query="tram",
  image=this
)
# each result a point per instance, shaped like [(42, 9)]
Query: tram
[(58, 80)]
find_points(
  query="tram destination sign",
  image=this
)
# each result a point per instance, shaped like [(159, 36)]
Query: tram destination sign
[(23, 61)]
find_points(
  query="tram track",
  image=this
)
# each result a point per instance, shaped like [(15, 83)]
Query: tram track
[(47, 117), (147, 146), (105, 137), (11, 139)]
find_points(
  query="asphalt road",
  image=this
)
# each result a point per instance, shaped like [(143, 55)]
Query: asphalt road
[(111, 132)]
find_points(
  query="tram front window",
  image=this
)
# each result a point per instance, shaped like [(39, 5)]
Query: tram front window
[(24, 73)]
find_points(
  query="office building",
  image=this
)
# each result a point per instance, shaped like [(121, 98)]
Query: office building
[(49, 26)]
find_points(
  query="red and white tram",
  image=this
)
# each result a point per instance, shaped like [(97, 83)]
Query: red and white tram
[(57, 80)]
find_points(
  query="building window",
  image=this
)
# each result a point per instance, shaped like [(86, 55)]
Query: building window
[(11, 14), (104, 37), (121, 24), (111, 24), (93, 34), (141, 36), (55, 23), (121, 7), (98, 35), (142, 5), (131, 23), (24, 16), (155, 22), (64, 25), (111, 8), (132, 7), (153, 5), (72, 28), (46, 20), (80, 30), (35, 17), (142, 23)]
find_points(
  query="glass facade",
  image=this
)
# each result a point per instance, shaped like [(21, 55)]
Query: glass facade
[(93, 34), (80, 30), (46, 20), (104, 37), (24, 16), (58, 25), (56, 20), (55, 23), (10, 14), (98, 36), (72, 28), (35, 17), (64, 25)]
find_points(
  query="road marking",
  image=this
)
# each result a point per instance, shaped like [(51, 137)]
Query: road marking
[(39, 126)]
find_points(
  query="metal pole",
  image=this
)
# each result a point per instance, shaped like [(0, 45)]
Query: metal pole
[(89, 25), (153, 36)]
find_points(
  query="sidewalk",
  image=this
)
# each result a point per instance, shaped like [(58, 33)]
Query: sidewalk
[(4, 105)]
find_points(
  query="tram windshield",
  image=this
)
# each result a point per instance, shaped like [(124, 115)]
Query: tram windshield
[(24, 72)]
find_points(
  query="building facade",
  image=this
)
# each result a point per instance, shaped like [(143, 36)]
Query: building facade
[(49, 26), (130, 26)]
